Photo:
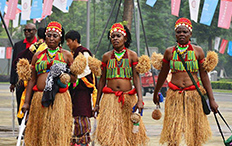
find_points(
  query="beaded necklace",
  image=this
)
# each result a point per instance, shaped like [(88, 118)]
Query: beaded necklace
[(119, 55), (182, 49), (52, 53)]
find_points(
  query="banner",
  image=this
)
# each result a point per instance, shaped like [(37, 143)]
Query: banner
[(175, 7), (8, 52), (61, 5), (2, 6), (151, 2), (229, 51), (225, 14), (36, 9), (194, 8), (223, 46), (47, 8), (26, 9), (16, 21), (69, 3), (216, 43), (6, 21), (11, 10), (208, 11), (23, 22), (2, 52)]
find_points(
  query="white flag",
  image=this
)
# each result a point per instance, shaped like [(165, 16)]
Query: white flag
[(26, 9), (16, 21), (2, 52), (217, 42), (194, 8), (61, 4)]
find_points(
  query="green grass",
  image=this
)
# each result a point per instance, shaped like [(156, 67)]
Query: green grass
[(222, 91)]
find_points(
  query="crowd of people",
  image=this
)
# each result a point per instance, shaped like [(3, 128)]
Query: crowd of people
[(62, 92)]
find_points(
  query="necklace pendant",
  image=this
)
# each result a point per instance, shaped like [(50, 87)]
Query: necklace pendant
[(119, 63)]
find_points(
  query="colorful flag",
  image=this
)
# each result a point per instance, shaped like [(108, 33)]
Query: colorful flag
[(151, 2), (8, 52), (36, 9), (175, 7), (225, 14), (208, 11), (16, 21), (11, 10), (2, 52), (229, 51), (47, 8), (69, 3), (2, 6), (223, 46), (61, 5), (194, 8), (216, 43), (26, 9), (23, 22)]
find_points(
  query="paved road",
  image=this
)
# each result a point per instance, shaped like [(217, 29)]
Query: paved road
[(153, 127)]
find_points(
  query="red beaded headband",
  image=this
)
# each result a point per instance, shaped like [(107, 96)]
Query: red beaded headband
[(184, 22), (119, 28), (55, 26)]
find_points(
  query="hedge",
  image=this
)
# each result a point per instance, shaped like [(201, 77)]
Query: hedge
[(221, 85)]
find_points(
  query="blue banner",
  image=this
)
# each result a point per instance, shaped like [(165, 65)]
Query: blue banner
[(36, 9), (69, 3), (151, 2), (22, 22), (208, 11), (229, 51), (2, 6)]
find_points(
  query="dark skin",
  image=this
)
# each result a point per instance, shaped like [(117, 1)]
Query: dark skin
[(29, 35), (118, 42), (182, 79), (52, 40)]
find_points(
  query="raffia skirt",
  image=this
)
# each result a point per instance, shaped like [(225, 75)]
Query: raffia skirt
[(114, 125), (49, 126), (184, 117)]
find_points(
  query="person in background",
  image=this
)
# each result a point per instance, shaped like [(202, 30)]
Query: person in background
[(20, 50), (81, 93), (184, 114), (115, 109), (40, 45)]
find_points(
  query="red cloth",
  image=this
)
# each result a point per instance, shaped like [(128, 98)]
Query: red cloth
[(174, 87), (61, 90), (29, 44), (119, 93)]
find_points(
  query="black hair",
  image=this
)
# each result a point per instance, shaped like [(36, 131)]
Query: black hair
[(62, 38), (41, 32), (72, 34), (128, 36)]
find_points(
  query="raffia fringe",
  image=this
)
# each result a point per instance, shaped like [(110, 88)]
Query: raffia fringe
[(114, 124), (79, 64), (49, 126), (184, 115), (211, 61), (24, 69), (143, 65), (95, 65), (156, 60)]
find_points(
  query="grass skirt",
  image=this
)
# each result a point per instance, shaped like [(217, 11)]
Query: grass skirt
[(49, 126), (114, 125), (184, 116)]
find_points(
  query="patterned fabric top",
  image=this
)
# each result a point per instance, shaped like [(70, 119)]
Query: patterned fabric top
[(119, 69), (190, 59), (44, 63)]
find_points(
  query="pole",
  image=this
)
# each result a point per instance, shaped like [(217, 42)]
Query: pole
[(88, 24), (13, 113)]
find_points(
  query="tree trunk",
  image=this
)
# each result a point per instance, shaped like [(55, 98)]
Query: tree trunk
[(210, 42), (128, 12)]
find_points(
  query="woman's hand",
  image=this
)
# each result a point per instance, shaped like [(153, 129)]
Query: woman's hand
[(213, 106), (25, 107), (139, 106), (156, 98), (95, 110)]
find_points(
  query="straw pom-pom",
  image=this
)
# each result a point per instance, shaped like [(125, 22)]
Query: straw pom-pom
[(156, 60), (24, 69), (78, 65), (65, 78), (95, 65), (211, 61), (143, 65), (156, 114)]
